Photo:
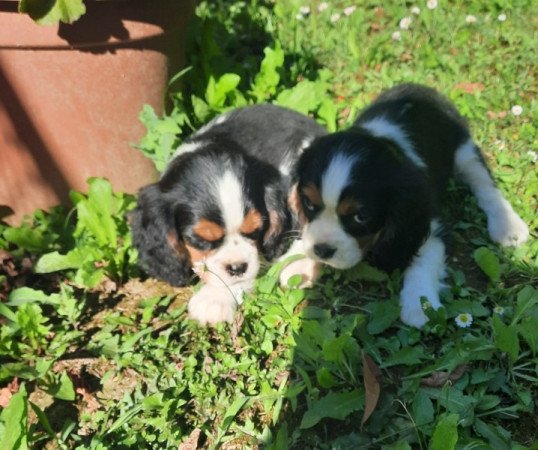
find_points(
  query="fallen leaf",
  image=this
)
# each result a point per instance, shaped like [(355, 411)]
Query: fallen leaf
[(234, 332), (7, 392), (372, 377), (469, 88), (439, 379), (191, 443)]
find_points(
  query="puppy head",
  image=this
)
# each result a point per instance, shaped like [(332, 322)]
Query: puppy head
[(210, 214), (351, 189)]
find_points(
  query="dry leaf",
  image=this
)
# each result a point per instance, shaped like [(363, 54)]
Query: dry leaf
[(372, 377), (191, 443), (439, 379), (7, 392), (469, 88)]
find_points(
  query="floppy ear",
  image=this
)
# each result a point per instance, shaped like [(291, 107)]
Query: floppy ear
[(161, 252), (275, 239), (294, 204), (407, 226)]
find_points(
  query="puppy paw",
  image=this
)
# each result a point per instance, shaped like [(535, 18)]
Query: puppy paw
[(507, 228), (412, 311), (211, 305), (413, 316), (307, 268)]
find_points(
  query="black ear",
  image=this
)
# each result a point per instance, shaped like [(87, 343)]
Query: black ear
[(161, 251), (277, 232), (407, 225)]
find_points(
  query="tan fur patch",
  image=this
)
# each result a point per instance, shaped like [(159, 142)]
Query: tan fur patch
[(208, 230), (294, 202), (347, 206), (275, 227), (366, 242), (312, 193), (175, 243), (198, 255), (253, 221)]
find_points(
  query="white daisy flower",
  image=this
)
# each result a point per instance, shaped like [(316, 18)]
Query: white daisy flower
[(323, 6), (415, 10), (431, 4), (470, 18), (533, 155), (501, 17), (498, 310), (349, 10), (405, 23), (516, 110), (304, 10), (464, 320), (396, 36), (335, 17)]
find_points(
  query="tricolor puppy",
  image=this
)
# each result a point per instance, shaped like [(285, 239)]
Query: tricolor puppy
[(220, 203), (373, 192)]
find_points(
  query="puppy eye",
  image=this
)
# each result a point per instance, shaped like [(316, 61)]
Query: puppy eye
[(357, 218), (254, 235), (309, 206)]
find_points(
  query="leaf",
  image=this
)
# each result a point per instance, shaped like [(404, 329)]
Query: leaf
[(54, 261), (445, 435), (495, 439), (30, 239), (372, 387), (488, 262), (423, 411), (325, 378), (63, 389), (407, 356), (528, 328), (52, 11), (267, 79), (302, 97), (526, 299), (506, 338), (382, 316), (14, 418), (365, 271), (28, 295), (336, 405)]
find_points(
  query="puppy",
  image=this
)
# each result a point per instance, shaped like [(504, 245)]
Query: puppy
[(220, 203), (373, 192)]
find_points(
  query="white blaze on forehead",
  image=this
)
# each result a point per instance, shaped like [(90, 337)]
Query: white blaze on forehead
[(336, 178), (232, 204)]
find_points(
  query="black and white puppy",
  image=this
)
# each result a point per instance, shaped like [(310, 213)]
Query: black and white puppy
[(373, 192), (220, 203)]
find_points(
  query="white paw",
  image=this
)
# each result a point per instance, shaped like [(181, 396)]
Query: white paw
[(306, 267), (212, 304), (507, 228), (412, 312)]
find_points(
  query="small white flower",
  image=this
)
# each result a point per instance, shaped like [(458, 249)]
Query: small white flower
[(415, 10), (335, 17), (533, 155), (349, 10), (323, 6), (470, 18), (464, 320), (304, 10), (431, 4), (299, 16), (405, 23), (396, 36), (516, 110), (498, 310), (501, 17)]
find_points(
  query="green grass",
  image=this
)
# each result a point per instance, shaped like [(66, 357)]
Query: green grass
[(91, 356)]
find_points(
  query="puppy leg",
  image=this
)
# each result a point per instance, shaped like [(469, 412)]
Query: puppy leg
[(309, 269), (504, 225), (212, 304), (423, 278)]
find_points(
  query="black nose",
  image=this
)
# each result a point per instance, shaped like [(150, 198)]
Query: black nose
[(236, 269), (324, 251)]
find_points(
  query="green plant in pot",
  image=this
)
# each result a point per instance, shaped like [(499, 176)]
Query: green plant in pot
[(50, 12)]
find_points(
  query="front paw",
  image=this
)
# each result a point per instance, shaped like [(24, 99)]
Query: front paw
[(413, 316), (307, 268), (507, 228), (412, 311), (212, 305)]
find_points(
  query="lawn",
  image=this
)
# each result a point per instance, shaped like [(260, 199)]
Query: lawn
[(94, 356)]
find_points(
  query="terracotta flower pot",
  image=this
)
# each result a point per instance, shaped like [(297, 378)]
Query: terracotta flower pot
[(70, 96)]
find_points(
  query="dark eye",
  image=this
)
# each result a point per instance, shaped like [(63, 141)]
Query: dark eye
[(309, 206), (358, 219), (253, 235)]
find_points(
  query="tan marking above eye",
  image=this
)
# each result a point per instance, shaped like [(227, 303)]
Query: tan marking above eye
[(208, 230), (198, 255), (252, 222), (347, 206), (312, 193)]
